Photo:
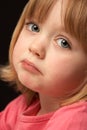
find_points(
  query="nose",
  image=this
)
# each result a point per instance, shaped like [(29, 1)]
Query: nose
[(38, 48)]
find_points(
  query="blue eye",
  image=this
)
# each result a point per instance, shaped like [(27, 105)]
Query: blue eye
[(33, 27), (63, 43)]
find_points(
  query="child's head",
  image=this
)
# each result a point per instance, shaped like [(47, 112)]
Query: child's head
[(62, 66)]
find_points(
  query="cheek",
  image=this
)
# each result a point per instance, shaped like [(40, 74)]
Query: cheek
[(68, 69), (16, 54), (66, 73), (18, 50)]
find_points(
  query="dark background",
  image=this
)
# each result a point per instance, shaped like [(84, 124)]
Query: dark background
[(10, 12)]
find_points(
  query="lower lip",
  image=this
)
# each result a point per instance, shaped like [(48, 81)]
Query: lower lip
[(29, 68)]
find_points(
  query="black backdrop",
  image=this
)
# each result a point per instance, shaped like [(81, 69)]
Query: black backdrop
[(10, 11)]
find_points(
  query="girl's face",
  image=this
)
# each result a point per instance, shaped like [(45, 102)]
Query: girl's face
[(47, 59)]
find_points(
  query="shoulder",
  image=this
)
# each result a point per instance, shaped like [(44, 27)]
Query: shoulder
[(72, 117), (10, 114)]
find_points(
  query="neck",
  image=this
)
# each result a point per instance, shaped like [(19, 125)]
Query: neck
[(48, 104)]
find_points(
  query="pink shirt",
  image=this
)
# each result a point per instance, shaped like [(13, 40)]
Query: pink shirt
[(17, 116)]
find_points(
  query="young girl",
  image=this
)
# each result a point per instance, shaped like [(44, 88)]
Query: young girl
[(48, 64)]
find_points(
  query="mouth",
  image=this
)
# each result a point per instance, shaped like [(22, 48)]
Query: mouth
[(29, 66)]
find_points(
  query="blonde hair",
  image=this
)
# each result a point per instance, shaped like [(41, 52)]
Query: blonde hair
[(75, 22)]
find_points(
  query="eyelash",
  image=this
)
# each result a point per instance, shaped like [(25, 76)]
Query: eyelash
[(64, 43), (32, 24)]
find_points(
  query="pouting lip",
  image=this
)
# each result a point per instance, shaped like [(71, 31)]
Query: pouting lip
[(31, 64)]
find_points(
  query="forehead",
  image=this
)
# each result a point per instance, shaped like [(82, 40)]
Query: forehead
[(55, 18), (40, 9)]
